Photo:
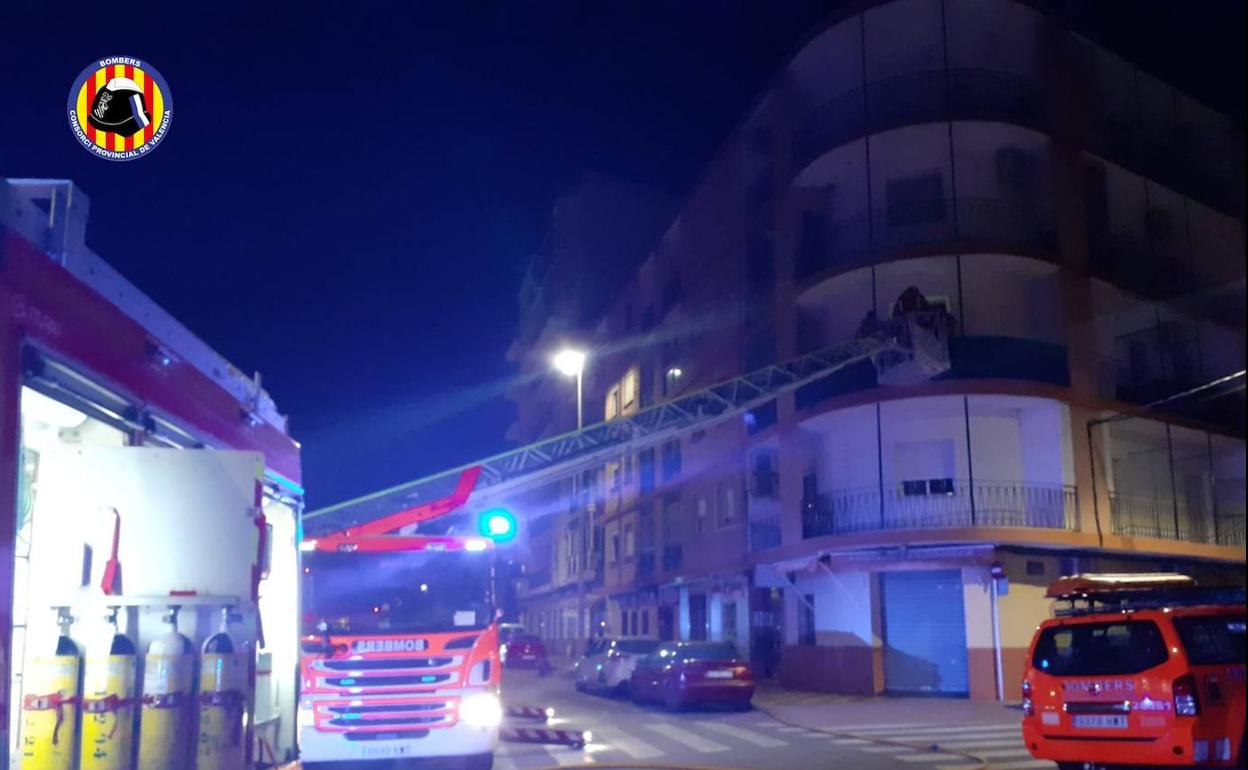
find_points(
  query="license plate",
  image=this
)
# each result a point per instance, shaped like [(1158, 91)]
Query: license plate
[(385, 751), (1099, 721), (719, 675), (530, 657)]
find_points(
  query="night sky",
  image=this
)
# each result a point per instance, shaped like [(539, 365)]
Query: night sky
[(346, 204)]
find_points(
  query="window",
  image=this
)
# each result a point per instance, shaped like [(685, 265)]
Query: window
[(612, 408), (630, 541), (700, 525), (1035, 568), (645, 624), (615, 547), (1212, 640), (727, 506), (806, 621), (1100, 649), (765, 481), (813, 237), (628, 389), (673, 531), (628, 469), (916, 200), (645, 469), (671, 459), (646, 529)]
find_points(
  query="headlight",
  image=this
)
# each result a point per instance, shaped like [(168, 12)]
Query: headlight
[(502, 652), (305, 718), (481, 710)]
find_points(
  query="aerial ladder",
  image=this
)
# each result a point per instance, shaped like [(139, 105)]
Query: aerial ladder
[(909, 348)]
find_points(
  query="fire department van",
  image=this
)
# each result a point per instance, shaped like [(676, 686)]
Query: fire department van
[(1138, 670)]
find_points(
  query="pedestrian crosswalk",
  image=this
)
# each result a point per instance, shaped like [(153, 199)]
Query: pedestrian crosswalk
[(728, 741)]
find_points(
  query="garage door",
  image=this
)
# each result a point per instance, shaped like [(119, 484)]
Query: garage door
[(924, 632)]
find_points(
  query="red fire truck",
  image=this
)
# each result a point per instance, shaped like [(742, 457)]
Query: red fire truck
[(400, 638), (149, 500)]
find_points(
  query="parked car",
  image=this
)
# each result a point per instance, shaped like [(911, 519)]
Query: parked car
[(592, 648), (1139, 669), (679, 674), (525, 651), (608, 665)]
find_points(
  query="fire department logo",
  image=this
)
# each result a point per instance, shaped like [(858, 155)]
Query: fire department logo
[(119, 108)]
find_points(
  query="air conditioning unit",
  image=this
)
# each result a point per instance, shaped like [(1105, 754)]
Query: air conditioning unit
[(1015, 168)]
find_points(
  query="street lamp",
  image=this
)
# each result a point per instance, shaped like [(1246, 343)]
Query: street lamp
[(571, 363)]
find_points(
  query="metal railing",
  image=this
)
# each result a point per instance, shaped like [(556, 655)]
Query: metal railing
[(1173, 519), (981, 504)]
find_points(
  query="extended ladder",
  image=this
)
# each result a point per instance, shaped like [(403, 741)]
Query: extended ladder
[(912, 348)]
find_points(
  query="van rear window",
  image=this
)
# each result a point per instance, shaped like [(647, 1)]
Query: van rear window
[(1095, 649), (1212, 640)]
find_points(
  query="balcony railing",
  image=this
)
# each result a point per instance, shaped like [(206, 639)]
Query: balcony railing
[(1169, 519), (985, 222), (982, 504)]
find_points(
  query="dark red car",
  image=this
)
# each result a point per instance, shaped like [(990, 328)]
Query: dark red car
[(679, 674), (525, 651)]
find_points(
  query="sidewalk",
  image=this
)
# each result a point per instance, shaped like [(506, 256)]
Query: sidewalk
[(829, 711)]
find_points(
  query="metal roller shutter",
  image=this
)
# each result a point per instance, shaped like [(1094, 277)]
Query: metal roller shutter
[(924, 632)]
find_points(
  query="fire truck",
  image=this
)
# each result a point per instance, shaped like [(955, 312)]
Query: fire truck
[(149, 504), (400, 654)]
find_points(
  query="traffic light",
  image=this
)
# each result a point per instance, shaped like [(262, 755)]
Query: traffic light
[(498, 524)]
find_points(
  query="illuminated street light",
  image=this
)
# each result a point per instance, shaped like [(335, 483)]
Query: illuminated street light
[(571, 363)]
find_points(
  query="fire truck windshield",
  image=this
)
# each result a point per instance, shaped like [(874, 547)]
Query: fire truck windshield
[(396, 592)]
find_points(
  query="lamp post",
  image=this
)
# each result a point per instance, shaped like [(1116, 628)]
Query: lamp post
[(571, 363)]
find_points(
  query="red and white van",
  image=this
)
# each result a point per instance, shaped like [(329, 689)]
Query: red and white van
[(1138, 670)]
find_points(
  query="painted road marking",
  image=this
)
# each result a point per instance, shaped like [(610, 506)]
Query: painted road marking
[(1001, 735), (740, 733), (630, 745), (936, 729), (695, 742)]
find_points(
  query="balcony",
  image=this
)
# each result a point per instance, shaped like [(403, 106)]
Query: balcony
[(980, 223), (944, 505), (989, 95), (1173, 520), (924, 96)]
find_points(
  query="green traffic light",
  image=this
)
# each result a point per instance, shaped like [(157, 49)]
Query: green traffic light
[(498, 524)]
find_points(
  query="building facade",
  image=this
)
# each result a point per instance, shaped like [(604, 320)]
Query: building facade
[(1082, 223)]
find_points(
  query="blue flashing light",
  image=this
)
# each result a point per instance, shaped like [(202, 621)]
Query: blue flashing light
[(498, 524)]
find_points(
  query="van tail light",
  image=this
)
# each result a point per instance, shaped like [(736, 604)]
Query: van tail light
[(1186, 704), (1029, 708), (614, 654), (741, 672)]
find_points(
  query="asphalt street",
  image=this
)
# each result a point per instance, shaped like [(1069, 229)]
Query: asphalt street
[(627, 735)]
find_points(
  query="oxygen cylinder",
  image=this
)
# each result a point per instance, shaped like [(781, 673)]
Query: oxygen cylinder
[(222, 702), (108, 703), (164, 715), (50, 705)]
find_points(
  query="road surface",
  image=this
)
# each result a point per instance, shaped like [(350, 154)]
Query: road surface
[(624, 733)]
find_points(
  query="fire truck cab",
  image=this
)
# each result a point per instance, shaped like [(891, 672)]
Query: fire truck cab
[(1137, 670)]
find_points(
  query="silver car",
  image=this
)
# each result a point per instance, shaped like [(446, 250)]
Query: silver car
[(609, 662)]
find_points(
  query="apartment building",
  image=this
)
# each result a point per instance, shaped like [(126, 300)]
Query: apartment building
[(1081, 222)]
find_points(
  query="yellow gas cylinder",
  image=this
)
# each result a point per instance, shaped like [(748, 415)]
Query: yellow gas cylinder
[(50, 705), (108, 704), (222, 703), (165, 711)]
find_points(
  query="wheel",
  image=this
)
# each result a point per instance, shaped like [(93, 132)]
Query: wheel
[(1069, 766), (579, 685), (744, 705), (543, 668), (479, 762)]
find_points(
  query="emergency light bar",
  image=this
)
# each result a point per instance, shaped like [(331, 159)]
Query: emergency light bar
[(1089, 594)]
